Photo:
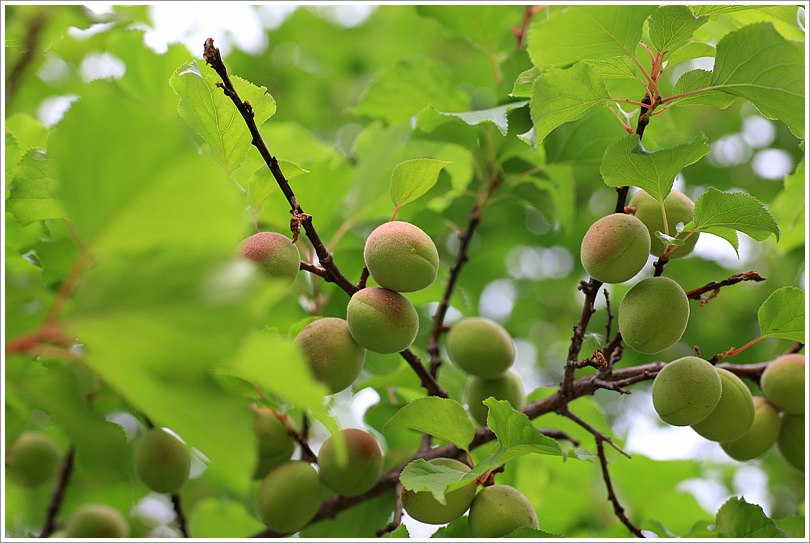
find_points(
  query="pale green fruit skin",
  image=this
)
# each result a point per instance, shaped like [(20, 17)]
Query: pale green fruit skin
[(33, 459), (679, 208), (615, 248), (289, 496), (382, 320), (653, 315), (686, 391), (275, 444), (507, 386), (333, 355), (762, 435), (734, 414), (499, 510), (275, 253), (423, 507), (97, 520), (783, 383), (791, 440), (364, 466), (161, 461), (401, 257), (481, 347)]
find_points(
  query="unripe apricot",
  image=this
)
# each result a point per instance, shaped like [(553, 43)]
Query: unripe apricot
[(401, 257), (97, 520), (161, 461), (615, 248), (499, 510), (334, 356), (762, 435), (679, 208), (507, 386), (686, 391), (275, 444), (653, 315), (783, 383), (289, 496), (791, 440), (423, 507), (364, 466), (275, 254), (382, 320), (481, 347), (734, 414), (33, 459)]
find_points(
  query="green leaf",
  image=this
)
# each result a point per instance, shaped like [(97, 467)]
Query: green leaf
[(407, 87), (793, 526), (214, 116), (525, 82), (670, 26), (783, 18), (696, 80), (692, 50), (440, 417), (788, 210), (560, 96), (35, 189), (496, 116), (526, 532), (739, 519), (221, 518), (582, 143), (515, 432), (782, 314), (745, 67), (361, 521), (616, 67), (278, 366), (458, 529), (481, 25), (719, 213), (715, 9), (12, 156), (400, 531), (262, 183), (412, 178), (28, 131), (422, 475), (626, 162), (587, 32)]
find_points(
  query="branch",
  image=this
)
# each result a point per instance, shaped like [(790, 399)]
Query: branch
[(31, 44), (461, 258), (617, 508), (212, 57), (715, 286), (590, 289), (397, 512), (181, 518), (58, 494)]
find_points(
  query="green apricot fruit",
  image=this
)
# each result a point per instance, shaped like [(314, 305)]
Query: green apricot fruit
[(507, 386), (97, 520), (762, 435), (364, 465), (334, 356), (499, 510), (481, 347), (33, 459), (382, 320), (422, 506), (275, 254), (791, 440), (289, 496), (401, 257), (734, 414), (275, 444), (686, 391), (161, 461), (615, 248), (782, 383), (653, 315), (678, 207)]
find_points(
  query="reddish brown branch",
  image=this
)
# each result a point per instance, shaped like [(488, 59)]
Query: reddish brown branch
[(714, 286), (58, 494), (617, 508), (312, 268), (520, 33)]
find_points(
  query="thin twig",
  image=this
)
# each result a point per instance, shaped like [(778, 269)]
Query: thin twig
[(397, 512), (58, 493), (715, 286), (15, 75), (312, 268), (181, 518), (617, 508)]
